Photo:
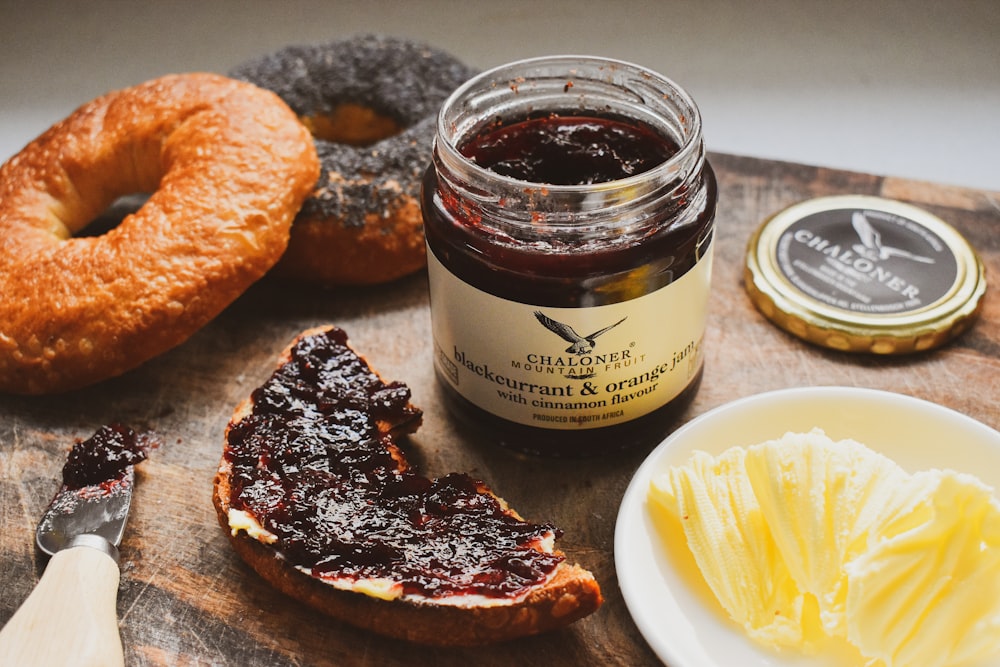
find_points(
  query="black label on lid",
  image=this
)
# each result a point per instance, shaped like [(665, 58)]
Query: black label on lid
[(866, 261)]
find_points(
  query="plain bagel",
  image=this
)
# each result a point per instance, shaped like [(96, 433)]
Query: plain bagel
[(371, 103), (227, 165)]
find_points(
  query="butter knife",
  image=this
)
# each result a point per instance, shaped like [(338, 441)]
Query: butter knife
[(71, 617)]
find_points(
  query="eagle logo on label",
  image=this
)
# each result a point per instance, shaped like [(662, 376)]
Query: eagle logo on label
[(580, 345)]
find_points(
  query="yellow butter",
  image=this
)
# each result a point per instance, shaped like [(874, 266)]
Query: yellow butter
[(383, 589), (240, 520), (926, 593), (820, 499), (802, 532), (732, 546)]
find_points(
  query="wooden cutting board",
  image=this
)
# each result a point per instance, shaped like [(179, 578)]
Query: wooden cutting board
[(187, 600)]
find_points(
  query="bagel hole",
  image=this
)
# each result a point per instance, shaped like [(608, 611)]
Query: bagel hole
[(352, 124), (112, 216)]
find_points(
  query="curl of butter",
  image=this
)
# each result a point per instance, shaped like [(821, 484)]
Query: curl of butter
[(803, 532)]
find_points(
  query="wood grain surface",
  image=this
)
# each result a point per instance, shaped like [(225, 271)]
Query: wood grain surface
[(186, 599)]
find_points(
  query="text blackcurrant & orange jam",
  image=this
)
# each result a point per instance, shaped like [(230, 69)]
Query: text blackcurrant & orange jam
[(569, 214)]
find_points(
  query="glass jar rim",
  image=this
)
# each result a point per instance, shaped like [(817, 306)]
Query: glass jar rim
[(512, 76)]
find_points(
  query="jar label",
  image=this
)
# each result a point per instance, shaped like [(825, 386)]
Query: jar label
[(569, 368)]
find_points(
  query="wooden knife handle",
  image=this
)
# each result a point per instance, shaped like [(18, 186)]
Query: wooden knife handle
[(71, 618)]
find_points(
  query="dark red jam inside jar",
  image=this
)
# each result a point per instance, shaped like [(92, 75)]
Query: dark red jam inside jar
[(569, 215)]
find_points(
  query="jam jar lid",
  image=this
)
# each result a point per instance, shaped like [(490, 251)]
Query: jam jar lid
[(864, 274)]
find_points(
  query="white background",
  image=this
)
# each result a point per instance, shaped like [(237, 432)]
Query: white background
[(889, 87)]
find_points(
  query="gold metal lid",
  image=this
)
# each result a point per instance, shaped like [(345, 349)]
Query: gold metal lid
[(864, 274)]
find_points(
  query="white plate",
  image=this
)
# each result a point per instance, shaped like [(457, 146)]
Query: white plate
[(664, 592)]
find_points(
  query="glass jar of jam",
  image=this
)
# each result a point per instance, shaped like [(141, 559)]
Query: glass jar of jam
[(569, 214)]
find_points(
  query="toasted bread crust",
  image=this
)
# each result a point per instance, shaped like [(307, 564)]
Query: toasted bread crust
[(570, 594)]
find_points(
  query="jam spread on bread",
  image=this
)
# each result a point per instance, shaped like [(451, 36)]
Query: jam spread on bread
[(314, 463)]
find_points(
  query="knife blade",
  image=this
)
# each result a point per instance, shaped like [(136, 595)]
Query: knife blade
[(71, 617)]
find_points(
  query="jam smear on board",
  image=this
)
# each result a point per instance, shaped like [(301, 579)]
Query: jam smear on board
[(103, 457), (314, 464)]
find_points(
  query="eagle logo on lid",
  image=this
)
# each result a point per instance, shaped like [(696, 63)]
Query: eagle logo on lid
[(871, 243)]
